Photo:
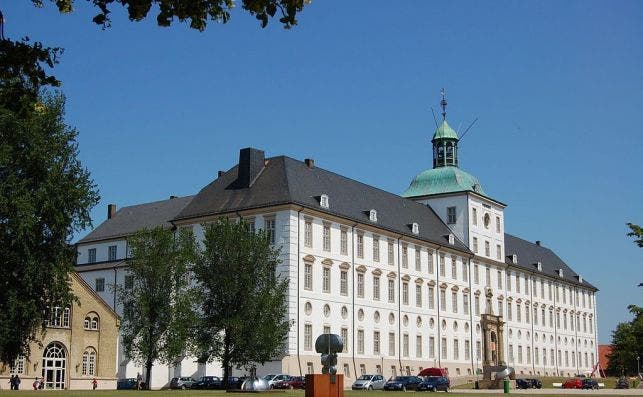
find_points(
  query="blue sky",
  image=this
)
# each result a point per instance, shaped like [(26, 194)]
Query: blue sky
[(557, 88)]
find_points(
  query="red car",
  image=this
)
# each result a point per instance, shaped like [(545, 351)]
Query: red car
[(295, 382), (574, 383)]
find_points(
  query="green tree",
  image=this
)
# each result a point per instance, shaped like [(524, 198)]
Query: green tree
[(45, 195), (157, 302), (241, 300), (637, 233), (627, 344), (197, 12)]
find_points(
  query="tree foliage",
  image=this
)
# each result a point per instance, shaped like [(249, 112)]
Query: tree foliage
[(241, 300), (157, 305), (45, 195), (637, 233), (198, 12), (627, 344)]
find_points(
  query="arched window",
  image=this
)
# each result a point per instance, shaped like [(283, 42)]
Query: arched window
[(87, 322), (92, 322), (89, 362)]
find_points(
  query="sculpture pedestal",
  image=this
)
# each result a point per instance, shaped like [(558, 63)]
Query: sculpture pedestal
[(318, 385)]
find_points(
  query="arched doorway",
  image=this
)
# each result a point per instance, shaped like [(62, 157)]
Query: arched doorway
[(54, 365)]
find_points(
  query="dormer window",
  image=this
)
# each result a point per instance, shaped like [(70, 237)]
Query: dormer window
[(539, 266), (514, 259), (323, 201), (560, 273), (415, 228), (580, 279), (451, 239), (372, 215)]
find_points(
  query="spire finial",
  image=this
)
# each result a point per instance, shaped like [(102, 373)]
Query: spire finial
[(443, 104)]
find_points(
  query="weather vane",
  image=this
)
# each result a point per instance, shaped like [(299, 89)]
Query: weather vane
[(443, 104)]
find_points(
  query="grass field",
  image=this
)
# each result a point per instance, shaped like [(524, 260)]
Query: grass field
[(610, 383)]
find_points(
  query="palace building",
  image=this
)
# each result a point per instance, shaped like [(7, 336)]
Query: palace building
[(428, 278)]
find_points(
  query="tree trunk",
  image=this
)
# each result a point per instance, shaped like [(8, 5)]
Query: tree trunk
[(226, 361), (148, 374)]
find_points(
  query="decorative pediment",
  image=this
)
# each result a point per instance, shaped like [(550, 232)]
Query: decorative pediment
[(466, 290), (377, 272), (309, 258), (477, 293), (510, 299), (564, 310), (431, 283), (572, 312), (327, 262), (535, 304), (500, 297), (443, 286), (558, 309), (406, 277), (391, 275), (488, 292), (527, 303), (419, 281), (551, 307), (455, 288), (519, 300), (543, 306), (360, 269), (344, 266)]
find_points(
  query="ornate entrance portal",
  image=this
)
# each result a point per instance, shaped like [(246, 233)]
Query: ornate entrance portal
[(54, 364), (493, 328)]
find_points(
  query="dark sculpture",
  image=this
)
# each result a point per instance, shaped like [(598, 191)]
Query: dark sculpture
[(329, 345)]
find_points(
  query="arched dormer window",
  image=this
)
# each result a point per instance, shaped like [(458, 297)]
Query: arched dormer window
[(92, 322), (372, 215)]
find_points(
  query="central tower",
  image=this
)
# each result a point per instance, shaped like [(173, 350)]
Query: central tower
[(445, 141)]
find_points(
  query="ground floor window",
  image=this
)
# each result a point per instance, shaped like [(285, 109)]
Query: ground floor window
[(54, 365)]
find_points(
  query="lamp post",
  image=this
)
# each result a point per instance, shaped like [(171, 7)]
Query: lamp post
[(638, 365)]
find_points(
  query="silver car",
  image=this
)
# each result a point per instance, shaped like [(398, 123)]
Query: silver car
[(272, 379), (369, 382)]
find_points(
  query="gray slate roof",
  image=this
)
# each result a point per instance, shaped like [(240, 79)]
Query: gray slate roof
[(288, 181), (129, 220), (529, 254)]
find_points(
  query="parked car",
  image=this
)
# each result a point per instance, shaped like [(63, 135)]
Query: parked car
[(528, 383), (208, 382), (589, 383), (182, 383), (574, 383), (272, 379), (434, 371), (369, 382), (403, 383), (623, 383), (435, 383), (128, 384), (294, 382)]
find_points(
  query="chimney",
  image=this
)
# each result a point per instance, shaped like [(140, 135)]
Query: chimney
[(173, 197), (111, 210), (538, 243), (251, 162), (310, 163), (220, 173)]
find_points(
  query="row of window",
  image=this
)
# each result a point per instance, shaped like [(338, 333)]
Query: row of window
[(88, 363), (520, 359), (486, 218), (112, 252), (99, 283), (61, 317), (487, 248)]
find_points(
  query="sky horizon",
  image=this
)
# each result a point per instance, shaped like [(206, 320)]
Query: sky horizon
[(556, 88)]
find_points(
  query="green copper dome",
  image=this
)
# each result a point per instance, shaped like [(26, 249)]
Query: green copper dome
[(443, 180), (444, 131)]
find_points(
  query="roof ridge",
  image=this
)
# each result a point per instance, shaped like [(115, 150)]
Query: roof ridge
[(156, 202)]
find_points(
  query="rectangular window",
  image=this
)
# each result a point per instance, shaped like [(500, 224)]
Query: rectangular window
[(360, 341), (430, 263), (535, 317), (362, 369), (128, 281), (418, 295), (405, 293), (497, 224), (456, 349), (474, 216), (508, 281), (326, 280), (18, 366), (444, 348), (451, 218), (270, 224), (518, 313), (308, 276), (344, 335), (391, 253), (344, 241), (431, 347), (500, 309), (308, 337), (376, 342), (418, 261), (343, 282), (475, 245), (520, 354), (360, 245), (465, 272), (509, 312), (542, 317), (308, 232), (487, 272), (418, 346), (310, 368), (498, 252), (405, 345), (92, 255), (376, 248), (467, 350), (478, 350), (376, 288), (549, 288), (391, 291), (326, 329), (111, 253), (499, 279), (542, 289), (347, 371), (476, 273), (443, 271), (431, 298), (476, 307), (517, 282), (251, 225), (487, 249), (465, 303), (326, 236), (360, 285), (391, 343), (443, 300), (454, 301), (405, 256), (100, 284), (454, 268)]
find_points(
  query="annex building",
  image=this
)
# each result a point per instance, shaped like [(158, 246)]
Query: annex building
[(79, 344), (428, 278)]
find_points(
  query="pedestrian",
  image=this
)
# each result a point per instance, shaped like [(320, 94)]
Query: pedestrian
[(12, 383), (94, 384), (35, 384), (16, 383), (139, 379)]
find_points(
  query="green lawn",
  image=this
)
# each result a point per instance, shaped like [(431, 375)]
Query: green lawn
[(610, 383)]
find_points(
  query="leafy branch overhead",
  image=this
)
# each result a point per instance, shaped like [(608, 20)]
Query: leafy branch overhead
[(637, 233), (198, 12)]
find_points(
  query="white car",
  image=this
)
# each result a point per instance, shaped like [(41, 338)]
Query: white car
[(369, 382), (272, 379)]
